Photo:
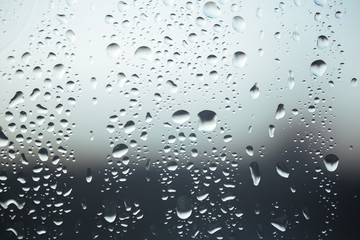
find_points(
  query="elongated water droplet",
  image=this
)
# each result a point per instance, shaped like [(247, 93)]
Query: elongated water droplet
[(306, 213), (88, 175), (255, 173), (291, 80), (110, 211), (280, 222), (70, 35), (183, 207), (239, 59), (17, 99), (271, 130), (255, 91), (282, 170), (280, 111)]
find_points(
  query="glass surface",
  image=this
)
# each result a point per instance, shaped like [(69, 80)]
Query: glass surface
[(164, 119)]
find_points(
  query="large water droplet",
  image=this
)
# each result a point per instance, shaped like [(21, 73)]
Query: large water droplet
[(184, 207), (211, 10), (282, 170), (280, 111), (120, 150), (70, 35), (280, 222), (239, 59), (59, 70), (180, 116), (322, 42), (43, 154), (318, 68), (110, 211), (331, 162), (17, 99), (143, 53), (238, 23), (113, 50), (207, 120)]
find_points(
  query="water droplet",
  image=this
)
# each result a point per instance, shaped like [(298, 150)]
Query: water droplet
[(331, 162), (88, 175), (250, 150), (207, 120), (184, 207), (338, 15), (4, 140), (238, 23), (271, 130), (143, 53), (318, 68), (59, 70), (172, 166), (113, 50), (122, 6), (211, 10), (70, 35), (180, 116), (239, 59), (255, 173), (280, 111), (306, 213), (322, 42), (43, 154), (168, 2), (354, 82), (280, 222), (110, 211), (291, 80), (120, 150), (255, 91), (320, 3), (282, 170), (17, 99)]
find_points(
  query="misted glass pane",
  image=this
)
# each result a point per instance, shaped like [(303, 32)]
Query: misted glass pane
[(179, 119)]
